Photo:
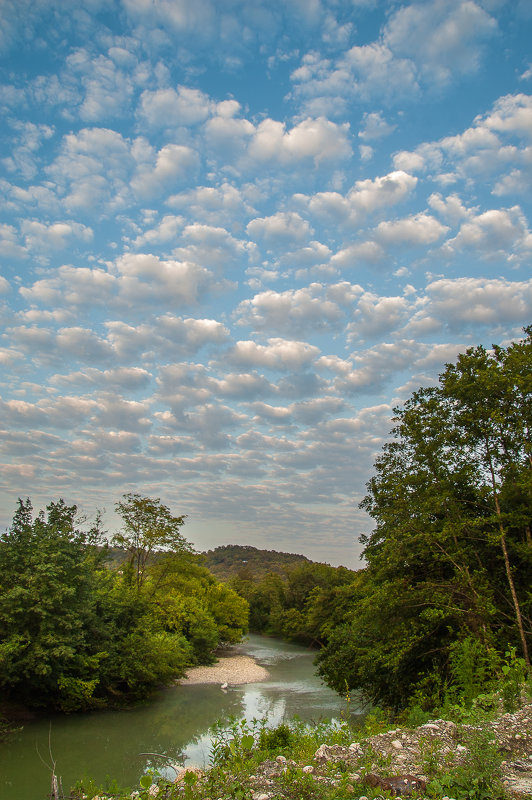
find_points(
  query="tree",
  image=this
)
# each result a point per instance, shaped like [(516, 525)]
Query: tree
[(491, 402), (450, 553), (48, 571), (149, 527)]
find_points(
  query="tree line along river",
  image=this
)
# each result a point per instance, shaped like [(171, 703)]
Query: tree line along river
[(174, 723)]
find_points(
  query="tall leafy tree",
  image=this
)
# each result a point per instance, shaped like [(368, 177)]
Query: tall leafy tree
[(149, 527), (450, 553), (48, 569), (491, 419)]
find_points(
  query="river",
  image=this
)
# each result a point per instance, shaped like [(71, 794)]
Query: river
[(175, 722)]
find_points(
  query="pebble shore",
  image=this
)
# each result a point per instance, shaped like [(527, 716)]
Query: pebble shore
[(233, 670)]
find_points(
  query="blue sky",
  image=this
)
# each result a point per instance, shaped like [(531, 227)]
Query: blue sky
[(235, 233)]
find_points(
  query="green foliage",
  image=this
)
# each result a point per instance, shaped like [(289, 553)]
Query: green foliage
[(471, 668), (46, 607), (76, 634), (446, 586), (478, 777), (149, 527), (75, 694), (276, 739), (248, 563), (516, 675), (299, 606)]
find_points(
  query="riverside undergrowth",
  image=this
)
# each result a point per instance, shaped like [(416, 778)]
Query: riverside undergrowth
[(250, 761)]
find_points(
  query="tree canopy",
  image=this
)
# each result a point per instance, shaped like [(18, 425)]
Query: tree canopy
[(149, 527), (450, 557), (76, 632)]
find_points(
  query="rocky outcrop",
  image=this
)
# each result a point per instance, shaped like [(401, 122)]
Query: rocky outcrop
[(402, 761)]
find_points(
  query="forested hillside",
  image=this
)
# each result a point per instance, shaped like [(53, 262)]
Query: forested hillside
[(288, 594), (228, 561)]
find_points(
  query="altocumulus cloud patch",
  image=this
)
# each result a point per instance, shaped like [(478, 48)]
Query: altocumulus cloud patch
[(234, 235)]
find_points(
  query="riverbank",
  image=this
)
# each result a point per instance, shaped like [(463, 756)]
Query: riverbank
[(439, 759), (230, 670)]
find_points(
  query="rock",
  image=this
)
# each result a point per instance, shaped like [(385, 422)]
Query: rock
[(333, 752), (308, 770), (322, 752), (281, 760), (398, 785), (397, 743), (182, 771)]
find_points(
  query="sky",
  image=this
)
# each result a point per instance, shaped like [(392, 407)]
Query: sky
[(235, 234)]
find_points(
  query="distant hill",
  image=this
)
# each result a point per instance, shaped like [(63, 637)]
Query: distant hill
[(230, 560)]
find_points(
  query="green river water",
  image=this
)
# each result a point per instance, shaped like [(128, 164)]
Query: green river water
[(175, 722)]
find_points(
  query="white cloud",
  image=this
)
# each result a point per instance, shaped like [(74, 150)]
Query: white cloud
[(280, 229), (496, 234), (441, 37), (40, 237), (120, 378), (166, 337), (211, 246), (72, 286), (63, 413), (121, 414), (296, 311), (147, 277), (10, 245), (191, 334), (93, 169), (166, 232), (174, 163), (107, 88), (25, 148), (278, 354), (166, 108), (367, 252), (375, 316), (510, 114), (222, 205), (418, 229), (465, 302), (366, 71), (375, 126), (451, 208), (372, 368), (364, 197), (318, 140), (498, 143), (83, 345)]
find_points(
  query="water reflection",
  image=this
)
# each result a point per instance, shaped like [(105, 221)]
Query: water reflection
[(174, 724)]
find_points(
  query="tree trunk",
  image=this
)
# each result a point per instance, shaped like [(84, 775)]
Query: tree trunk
[(511, 584)]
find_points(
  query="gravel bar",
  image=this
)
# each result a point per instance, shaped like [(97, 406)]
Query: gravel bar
[(233, 670)]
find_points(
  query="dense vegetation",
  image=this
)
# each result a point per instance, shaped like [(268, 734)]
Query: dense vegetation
[(447, 591), (227, 561), (299, 606), (75, 634)]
